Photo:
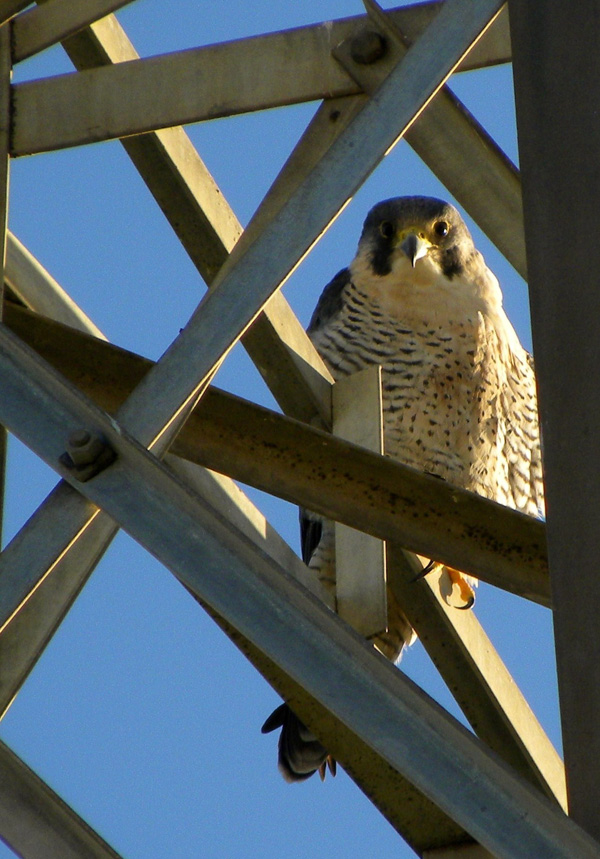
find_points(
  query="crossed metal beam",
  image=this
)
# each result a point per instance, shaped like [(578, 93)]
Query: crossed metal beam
[(315, 187)]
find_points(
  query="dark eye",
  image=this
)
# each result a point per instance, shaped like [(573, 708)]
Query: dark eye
[(387, 230), (440, 228)]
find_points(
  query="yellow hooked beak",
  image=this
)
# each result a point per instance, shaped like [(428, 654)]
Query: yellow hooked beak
[(413, 245)]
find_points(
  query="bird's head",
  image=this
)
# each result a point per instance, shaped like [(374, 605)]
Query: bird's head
[(417, 238)]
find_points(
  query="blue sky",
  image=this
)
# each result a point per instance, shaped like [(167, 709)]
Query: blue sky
[(141, 714)]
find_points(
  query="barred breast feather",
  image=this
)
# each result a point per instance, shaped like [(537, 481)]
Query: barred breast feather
[(459, 395)]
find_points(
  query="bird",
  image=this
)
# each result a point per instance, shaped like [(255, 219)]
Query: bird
[(458, 389)]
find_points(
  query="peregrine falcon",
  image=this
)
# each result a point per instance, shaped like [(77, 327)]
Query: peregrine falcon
[(459, 396)]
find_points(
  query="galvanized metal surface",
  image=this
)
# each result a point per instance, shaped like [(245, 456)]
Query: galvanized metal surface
[(228, 500), (251, 74), (558, 118), (420, 822), (457, 645), (507, 720), (37, 289), (41, 577), (49, 23), (232, 304), (269, 609), (459, 851), (208, 229), (313, 468), (36, 823), (359, 557), (475, 674), (456, 148), (12, 7), (43, 568), (5, 130)]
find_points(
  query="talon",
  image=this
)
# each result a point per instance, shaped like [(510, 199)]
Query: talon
[(328, 764), (424, 571), (465, 590), (467, 605)]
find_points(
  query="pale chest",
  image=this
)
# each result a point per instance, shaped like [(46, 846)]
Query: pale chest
[(442, 412)]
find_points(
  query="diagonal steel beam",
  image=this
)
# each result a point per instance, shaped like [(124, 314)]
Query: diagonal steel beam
[(188, 196), (456, 643), (232, 304), (414, 816), (268, 608), (466, 662), (454, 146), (53, 21), (252, 74), (479, 175), (301, 464), (12, 7), (39, 575), (36, 823), (31, 284), (78, 530), (475, 674), (208, 230)]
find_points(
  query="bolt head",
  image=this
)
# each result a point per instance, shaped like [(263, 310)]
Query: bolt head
[(367, 47), (79, 438)]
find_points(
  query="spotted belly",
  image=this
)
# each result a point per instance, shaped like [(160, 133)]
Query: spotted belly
[(438, 398)]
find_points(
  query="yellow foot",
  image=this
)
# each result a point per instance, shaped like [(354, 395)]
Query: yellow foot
[(465, 591), (466, 594)]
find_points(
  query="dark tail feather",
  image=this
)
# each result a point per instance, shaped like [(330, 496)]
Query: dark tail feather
[(300, 753)]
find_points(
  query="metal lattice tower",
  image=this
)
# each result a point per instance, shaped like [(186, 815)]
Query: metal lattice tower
[(380, 77)]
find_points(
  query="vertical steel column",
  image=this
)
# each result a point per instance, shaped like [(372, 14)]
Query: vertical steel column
[(5, 127), (555, 55)]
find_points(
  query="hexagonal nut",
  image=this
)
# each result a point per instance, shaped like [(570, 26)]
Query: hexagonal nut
[(84, 448), (87, 454)]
